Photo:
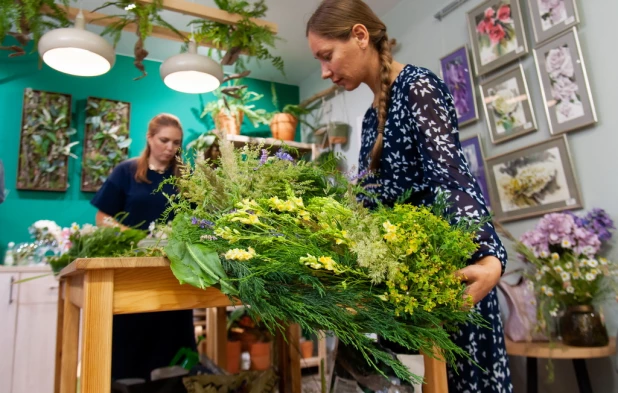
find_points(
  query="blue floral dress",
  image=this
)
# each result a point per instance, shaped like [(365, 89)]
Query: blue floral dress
[(422, 153)]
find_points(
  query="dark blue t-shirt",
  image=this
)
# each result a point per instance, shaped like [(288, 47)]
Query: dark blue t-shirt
[(122, 193)]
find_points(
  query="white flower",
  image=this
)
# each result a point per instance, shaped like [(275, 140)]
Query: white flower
[(553, 313), (603, 261), (555, 256), (566, 243), (129, 7), (87, 229), (544, 254), (593, 263), (590, 277), (583, 262), (505, 101), (576, 275), (570, 289), (568, 265), (558, 62), (565, 276), (558, 269)]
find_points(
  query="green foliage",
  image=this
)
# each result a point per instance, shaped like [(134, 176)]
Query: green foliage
[(245, 36), (24, 20), (299, 112), (290, 240), (45, 141), (240, 101), (98, 242), (106, 142)]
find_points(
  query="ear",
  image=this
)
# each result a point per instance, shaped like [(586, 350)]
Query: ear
[(361, 35)]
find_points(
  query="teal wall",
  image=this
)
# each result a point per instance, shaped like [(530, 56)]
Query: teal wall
[(148, 97)]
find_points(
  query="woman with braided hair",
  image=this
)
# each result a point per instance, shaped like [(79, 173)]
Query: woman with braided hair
[(410, 142)]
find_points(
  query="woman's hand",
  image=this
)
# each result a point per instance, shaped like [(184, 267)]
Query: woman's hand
[(481, 277)]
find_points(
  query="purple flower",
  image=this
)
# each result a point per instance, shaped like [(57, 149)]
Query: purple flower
[(194, 220), (599, 222), (283, 155), (206, 224), (264, 157), (536, 241), (360, 175)]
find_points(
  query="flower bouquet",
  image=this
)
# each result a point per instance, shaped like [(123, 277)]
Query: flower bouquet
[(289, 240), (568, 271)]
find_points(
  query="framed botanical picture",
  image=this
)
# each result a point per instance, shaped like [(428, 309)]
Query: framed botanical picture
[(551, 17), (473, 151), (496, 34), (456, 73), (564, 83), (532, 181), (507, 105)]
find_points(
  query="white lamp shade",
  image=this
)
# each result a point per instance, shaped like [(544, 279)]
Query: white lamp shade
[(191, 73), (76, 51)]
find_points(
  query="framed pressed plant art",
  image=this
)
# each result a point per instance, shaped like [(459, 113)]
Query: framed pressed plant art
[(456, 72), (551, 17), (507, 105), (473, 151), (564, 83), (106, 141), (45, 141), (533, 180), (497, 34)]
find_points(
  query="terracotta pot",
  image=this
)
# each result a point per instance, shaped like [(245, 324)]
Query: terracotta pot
[(283, 126), (306, 349), (228, 123), (338, 133), (260, 356), (233, 356)]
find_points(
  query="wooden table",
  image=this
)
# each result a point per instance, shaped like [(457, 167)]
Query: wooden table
[(103, 287), (544, 350)]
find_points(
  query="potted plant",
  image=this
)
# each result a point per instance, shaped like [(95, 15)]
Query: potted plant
[(230, 107), (306, 345), (252, 336), (284, 120), (24, 20), (245, 37)]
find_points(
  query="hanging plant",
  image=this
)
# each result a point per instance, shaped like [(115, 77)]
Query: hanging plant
[(145, 16), (243, 37), (106, 142), (24, 20), (45, 143)]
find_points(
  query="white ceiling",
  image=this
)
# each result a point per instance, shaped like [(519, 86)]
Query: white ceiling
[(290, 16)]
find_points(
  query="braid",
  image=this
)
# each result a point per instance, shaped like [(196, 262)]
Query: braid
[(386, 59)]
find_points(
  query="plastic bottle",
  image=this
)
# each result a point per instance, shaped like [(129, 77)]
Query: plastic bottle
[(245, 361), (9, 256)]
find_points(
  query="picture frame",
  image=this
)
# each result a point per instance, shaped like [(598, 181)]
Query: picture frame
[(551, 17), (497, 34), (507, 105), (564, 82), (456, 72), (106, 140), (533, 181), (45, 141), (473, 151)]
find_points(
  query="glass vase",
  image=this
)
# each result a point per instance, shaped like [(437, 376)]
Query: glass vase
[(582, 326)]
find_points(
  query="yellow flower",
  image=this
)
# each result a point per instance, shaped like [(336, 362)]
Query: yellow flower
[(327, 262), (555, 256), (305, 215), (389, 227), (239, 254)]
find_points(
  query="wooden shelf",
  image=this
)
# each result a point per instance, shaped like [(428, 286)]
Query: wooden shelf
[(558, 350), (241, 140)]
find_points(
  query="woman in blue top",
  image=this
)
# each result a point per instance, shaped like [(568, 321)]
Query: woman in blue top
[(143, 342), (410, 141)]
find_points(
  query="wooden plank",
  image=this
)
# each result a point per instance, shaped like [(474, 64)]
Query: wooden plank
[(69, 342), (95, 18), (558, 350), (96, 375), (216, 347), (59, 336), (435, 375), (210, 13), (76, 294), (81, 264), (293, 333), (156, 289)]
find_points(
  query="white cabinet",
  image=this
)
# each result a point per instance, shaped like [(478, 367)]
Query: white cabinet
[(28, 314)]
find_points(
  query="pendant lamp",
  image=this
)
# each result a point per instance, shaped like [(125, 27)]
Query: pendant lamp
[(190, 72), (77, 51)]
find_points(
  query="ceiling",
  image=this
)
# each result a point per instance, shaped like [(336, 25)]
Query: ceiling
[(290, 16)]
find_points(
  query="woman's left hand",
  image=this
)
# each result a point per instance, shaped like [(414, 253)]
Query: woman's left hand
[(481, 277)]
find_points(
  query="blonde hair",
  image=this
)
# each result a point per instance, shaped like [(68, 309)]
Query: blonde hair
[(334, 19), (154, 126)]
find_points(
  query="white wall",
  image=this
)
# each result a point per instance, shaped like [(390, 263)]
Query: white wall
[(423, 40)]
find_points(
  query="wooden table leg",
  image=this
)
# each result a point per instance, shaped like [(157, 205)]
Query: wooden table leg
[(435, 375), (70, 342), (96, 375), (532, 375), (283, 361), (581, 372), (59, 324), (216, 337), (293, 336)]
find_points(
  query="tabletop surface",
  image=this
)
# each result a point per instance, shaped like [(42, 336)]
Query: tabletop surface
[(558, 350), (80, 265)]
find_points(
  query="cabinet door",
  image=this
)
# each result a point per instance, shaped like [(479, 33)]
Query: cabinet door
[(8, 317), (35, 348)]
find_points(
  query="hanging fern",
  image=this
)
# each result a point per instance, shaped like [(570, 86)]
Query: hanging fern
[(24, 20), (243, 37), (145, 16)]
